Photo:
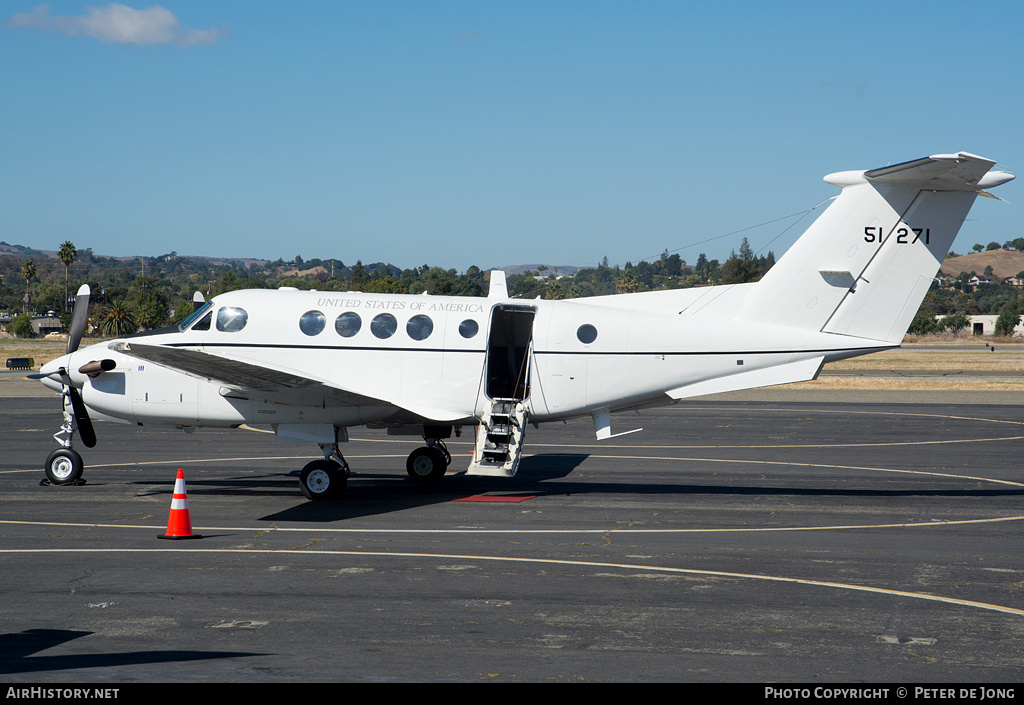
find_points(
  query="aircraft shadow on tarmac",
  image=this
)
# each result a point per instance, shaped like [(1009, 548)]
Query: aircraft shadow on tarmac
[(370, 494), (369, 498), (17, 649)]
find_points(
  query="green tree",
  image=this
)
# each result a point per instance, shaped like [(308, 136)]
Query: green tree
[(954, 322), (117, 320), (554, 291), (385, 285), (1008, 320), (21, 326), (628, 283), (66, 254), (358, 273), (182, 311), (924, 322)]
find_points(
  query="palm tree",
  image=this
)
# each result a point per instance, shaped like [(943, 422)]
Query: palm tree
[(67, 255), (117, 320), (28, 270)]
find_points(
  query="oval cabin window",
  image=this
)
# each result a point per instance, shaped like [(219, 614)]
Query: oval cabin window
[(348, 324), (383, 326), (312, 322), (419, 327)]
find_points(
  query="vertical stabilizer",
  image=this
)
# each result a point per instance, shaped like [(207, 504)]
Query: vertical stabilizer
[(864, 266)]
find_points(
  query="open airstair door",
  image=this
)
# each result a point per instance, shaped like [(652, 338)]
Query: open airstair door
[(499, 437)]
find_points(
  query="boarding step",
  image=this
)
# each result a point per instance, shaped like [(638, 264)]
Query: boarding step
[(499, 439)]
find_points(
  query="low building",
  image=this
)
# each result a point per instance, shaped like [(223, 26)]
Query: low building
[(986, 325), (42, 325)]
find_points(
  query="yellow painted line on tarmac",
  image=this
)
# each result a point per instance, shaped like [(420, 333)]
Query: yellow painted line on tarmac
[(873, 412), (668, 458), (480, 531), (811, 465), (141, 463), (786, 445), (547, 561)]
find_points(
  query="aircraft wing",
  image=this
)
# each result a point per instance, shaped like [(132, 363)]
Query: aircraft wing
[(251, 380)]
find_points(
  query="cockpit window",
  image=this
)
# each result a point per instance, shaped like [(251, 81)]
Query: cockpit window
[(196, 315), (231, 319), (312, 322)]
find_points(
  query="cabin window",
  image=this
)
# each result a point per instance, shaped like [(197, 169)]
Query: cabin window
[(468, 328), (231, 319), (383, 326), (419, 327), (586, 333), (348, 324), (312, 322)]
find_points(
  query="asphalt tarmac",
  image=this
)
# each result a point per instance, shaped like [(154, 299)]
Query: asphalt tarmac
[(761, 539)]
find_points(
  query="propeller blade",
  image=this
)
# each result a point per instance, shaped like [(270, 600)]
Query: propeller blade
[(85, 429), (78, 318), (197, 301)]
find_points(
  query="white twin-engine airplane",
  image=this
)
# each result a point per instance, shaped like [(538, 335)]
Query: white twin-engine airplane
[(312, 364)]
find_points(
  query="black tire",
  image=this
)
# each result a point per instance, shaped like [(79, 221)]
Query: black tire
[(322, 479), (63, 466), (426, 465)]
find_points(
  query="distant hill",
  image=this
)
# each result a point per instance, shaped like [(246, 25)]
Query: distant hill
[(26, 252), (1004, 263), (551, 269)]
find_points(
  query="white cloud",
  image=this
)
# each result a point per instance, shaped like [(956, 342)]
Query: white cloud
[(117, 24)]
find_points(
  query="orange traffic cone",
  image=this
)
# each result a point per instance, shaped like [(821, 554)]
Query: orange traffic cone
[(179, 523)]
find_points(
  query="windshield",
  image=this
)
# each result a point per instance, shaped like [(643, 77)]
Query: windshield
[(195, 316)]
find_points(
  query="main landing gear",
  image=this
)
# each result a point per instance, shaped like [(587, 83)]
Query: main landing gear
[(429, 464), (327, 478)]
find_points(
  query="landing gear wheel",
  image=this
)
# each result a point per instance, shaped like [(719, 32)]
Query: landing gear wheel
[(426, 464), (322, 479), (63, 466)]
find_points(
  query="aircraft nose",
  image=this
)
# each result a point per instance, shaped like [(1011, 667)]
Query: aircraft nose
[(52, 380)]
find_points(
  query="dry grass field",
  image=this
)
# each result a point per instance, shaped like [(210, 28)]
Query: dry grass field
[(922, 363), (42, 350)]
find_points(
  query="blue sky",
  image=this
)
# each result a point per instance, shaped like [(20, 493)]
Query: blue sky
[(488, 133)]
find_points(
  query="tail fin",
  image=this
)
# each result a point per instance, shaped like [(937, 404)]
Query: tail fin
[(864, 266)]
